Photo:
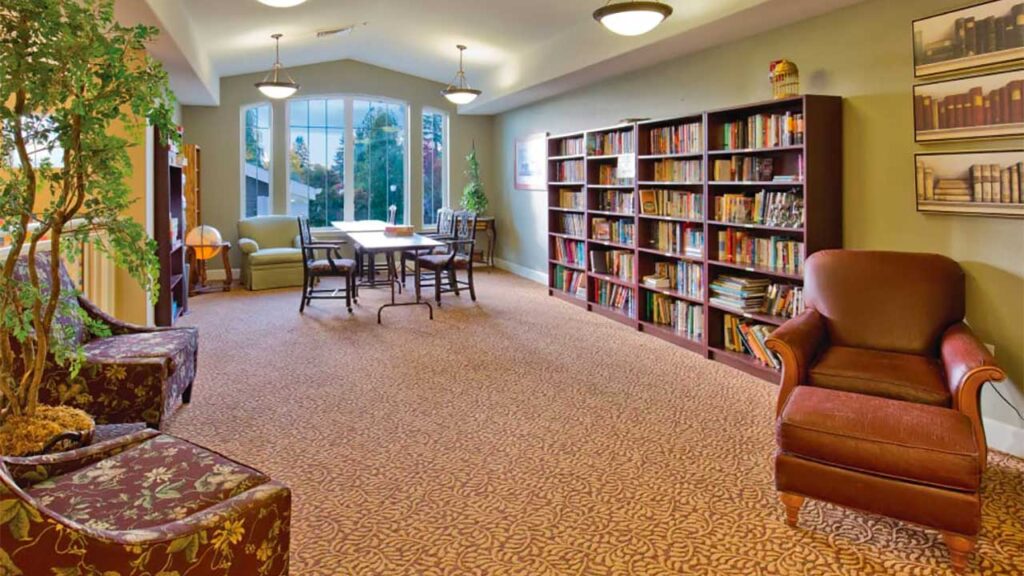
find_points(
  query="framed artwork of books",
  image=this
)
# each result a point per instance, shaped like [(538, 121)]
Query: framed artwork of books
[(979, 35), (531, 167), (986, 183), (982, 106)]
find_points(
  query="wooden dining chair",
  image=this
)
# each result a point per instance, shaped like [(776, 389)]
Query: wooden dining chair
[(445, 231), (445, 266), (332, 265)]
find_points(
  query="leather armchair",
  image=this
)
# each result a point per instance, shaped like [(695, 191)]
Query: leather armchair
[(271, 252)]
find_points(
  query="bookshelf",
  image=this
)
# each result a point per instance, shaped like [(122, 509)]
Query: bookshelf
[(169, 222), (703, 191)]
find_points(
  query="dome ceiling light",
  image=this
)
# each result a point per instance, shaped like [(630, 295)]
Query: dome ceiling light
[(281, 3), (631, 18), (459, 92), (272, 85)]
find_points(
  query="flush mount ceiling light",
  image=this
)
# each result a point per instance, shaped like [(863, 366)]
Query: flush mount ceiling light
[(282, 3), (632, 18), (272, 86), (459, 92)]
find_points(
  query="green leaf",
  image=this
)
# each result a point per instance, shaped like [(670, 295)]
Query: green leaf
[(7, 567), (19, 524)]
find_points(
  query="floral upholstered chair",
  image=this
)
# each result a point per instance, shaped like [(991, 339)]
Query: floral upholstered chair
[(137, 374), (142, 504)]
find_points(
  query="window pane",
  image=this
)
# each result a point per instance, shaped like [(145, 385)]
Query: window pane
[(257, 161), (434, 192), (379, 159), (316, 160)]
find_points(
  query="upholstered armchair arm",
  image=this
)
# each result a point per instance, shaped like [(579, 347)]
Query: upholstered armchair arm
[(29, 470), (113, 390), (968, 366), (797, 343), (248, 245), (116, 325)]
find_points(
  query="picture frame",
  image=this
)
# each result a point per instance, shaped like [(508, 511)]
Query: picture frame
[(977, 183), (976, 36), (982, 106), (531, 167)]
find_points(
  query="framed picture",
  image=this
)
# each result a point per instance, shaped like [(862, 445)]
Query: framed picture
[(986, 183), (531, 168), (982, 106), (980, 35)]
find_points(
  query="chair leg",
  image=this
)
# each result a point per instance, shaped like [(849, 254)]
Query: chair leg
[(353, 283), (469, 278), (186, 395), (437, 286), (793, 502), (416, 279), (403, 268), (348, 291), (305, 292), (453, 280), (960, 548)]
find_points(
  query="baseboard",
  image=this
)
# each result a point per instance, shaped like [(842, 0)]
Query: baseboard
[(218, 274), (528, 273), (1004, 437)]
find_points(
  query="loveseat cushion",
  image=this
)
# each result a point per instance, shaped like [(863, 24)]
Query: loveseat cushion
[(906, 377), (159, 481), (177, 345), (909, 442), (272, 256)]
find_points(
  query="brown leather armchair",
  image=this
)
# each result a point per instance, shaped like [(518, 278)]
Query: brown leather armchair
[(881, 382)]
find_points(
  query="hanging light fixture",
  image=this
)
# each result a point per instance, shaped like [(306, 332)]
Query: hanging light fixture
[(282, 3), (272, 86), (459, 92), (632, 18)]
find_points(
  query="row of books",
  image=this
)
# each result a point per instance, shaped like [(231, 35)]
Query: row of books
[(783, 300), (681, 139), (570, 281), (571, 146), (782, 209), (682, 317), (609, 143), (607, 174), (614, 201), (613, 230), (743, 169), (972, 108), (749, 338), (616, 297), (777, 253), (617, 263), (672, 203), (739, 293), (569, 171), (764, 131), (678, 171), (676, 238), (682, 276), (574, 225), (570, 198), (570, 251), (974, 36), (987, 183)]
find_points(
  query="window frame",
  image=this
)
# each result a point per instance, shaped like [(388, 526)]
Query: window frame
[(446, 161), (270, 157)]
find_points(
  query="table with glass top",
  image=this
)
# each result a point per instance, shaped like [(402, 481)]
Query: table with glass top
[(380, 243)]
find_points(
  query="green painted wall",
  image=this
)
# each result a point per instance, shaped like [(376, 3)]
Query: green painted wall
[(863, 53)]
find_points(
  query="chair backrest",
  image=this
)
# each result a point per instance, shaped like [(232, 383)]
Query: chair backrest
[(445, 222), (305, 239), (270, 231), (465, 229), (891, 301), (68, 326), (392, 214)]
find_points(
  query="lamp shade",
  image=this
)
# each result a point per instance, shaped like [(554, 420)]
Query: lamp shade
[(632, 17), (205, 241)]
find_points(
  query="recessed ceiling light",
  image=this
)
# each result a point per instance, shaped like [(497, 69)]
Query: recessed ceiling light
[(281, 3), (632, 18)]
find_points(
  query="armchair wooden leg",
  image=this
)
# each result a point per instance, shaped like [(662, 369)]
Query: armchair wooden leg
[(453, 279), (960, 548), (472, 287), (793, 502), (305, 292), (416, 279), (437, 286)]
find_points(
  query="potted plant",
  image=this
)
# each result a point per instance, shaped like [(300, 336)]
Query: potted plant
[(473, 197), (76, 90)]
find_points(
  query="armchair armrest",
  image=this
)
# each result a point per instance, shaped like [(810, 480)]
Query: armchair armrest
[(248, 245), (30, 470), (116, 325), (968, 366), (797, 343)]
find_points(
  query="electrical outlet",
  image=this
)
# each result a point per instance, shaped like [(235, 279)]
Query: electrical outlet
[(991, 348)]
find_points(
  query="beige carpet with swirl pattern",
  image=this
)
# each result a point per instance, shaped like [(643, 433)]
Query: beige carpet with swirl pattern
[(521, 435)]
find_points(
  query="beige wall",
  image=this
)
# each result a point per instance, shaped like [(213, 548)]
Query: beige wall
[(217, 131), (863, 53)]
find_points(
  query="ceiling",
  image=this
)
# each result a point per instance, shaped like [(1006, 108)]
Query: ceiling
[(519, 51)]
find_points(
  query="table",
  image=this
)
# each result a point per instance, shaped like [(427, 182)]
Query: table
[(488, 224), (379, 243), (348, 228), (197, 281)]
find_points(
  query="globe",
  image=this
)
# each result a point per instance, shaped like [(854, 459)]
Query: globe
[(205, 241)]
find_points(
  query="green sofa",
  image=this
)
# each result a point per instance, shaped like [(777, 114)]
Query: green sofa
[(271, 256)]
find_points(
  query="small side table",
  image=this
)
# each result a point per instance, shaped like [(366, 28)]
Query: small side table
[(197, 279), (488, 224)]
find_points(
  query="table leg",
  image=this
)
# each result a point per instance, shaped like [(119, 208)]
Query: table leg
[(392, 280)]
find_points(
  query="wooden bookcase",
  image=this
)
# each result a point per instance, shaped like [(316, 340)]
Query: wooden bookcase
[(667, 234), (168, 208)]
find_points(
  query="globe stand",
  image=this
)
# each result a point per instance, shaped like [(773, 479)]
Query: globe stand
[(197, 281)]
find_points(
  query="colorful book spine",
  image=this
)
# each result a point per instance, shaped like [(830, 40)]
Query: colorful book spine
[(778, 253), (681, 139), (681, 317), (672, 203)]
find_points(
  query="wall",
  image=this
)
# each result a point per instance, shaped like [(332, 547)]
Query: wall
[(863, 53), (217, 131)]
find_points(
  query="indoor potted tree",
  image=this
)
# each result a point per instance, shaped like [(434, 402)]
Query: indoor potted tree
[(76, 90), (473, 197)]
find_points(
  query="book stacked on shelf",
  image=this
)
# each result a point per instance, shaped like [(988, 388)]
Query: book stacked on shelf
[(683, 277), (764, 131), (783, 209), (614, 201), (672, 203), (985, 183), (570, 281), (971, 37), (777, 253), (570, 198), (972, 108), (569, 171), (681, 317), (574, 225), (613, 230), (571, 147), (688, 171), (612, 143), (749, 338), (570, 251), (617, 263), (783, 300), (616, 297), (739, 293), (681, 139), (607, 175)]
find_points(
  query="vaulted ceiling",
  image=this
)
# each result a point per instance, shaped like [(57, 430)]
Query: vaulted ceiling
[(519, 51)]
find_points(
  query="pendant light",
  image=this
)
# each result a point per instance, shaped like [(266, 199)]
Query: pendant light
[(459, 92), (632, 18), (282, 3), (272, 86)]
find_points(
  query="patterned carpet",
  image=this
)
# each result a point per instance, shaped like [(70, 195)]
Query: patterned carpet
[(521, 435)]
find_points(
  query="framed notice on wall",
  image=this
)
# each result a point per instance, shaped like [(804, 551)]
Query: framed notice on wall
[(977, 36), (531, 169)]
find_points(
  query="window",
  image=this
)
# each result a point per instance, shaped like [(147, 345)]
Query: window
[(435, 165), (316, 160), (256, 180), (379, 157), (44, 150)]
